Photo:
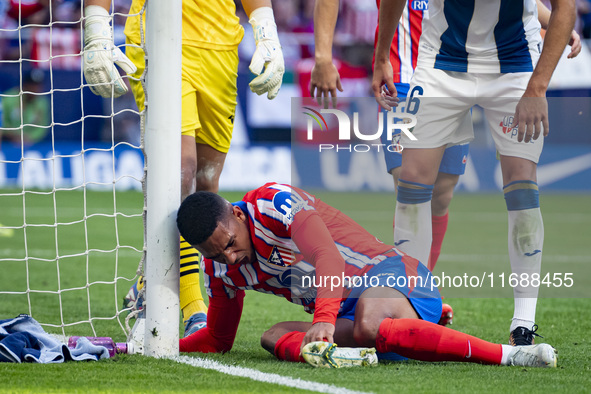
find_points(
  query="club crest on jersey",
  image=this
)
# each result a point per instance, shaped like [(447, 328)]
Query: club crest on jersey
[(281, 256), (289, 204), (419, 5)]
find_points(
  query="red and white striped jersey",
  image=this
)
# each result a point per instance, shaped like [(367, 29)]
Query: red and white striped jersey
[(295, 235), (404, 49), (277, 211)]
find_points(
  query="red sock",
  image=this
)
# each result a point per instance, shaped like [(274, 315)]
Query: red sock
[(422, 340), (288, 346), (439, 225)]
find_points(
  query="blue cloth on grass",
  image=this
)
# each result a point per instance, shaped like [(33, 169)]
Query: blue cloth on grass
[(22, 339)]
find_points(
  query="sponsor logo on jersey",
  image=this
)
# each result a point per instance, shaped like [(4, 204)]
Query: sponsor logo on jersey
[(507, 125), (419, 5), (289, 204), (282, 204)]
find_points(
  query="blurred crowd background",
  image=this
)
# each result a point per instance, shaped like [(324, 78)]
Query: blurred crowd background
[(40, 66), (45, 51)]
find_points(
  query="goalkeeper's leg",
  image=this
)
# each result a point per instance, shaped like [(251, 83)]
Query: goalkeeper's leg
[(208, 104), (201, 167), (191, 299)]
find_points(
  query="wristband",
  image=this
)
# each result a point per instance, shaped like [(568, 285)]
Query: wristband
[(263, 24), (97, 23)]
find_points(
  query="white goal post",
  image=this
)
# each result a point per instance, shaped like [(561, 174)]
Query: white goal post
[(75, 231), (163, 147)]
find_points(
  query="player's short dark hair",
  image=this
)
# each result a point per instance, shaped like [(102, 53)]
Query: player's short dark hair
[(199, 215)]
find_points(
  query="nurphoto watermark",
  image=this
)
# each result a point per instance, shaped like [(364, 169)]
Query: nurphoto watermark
[(356, 135)]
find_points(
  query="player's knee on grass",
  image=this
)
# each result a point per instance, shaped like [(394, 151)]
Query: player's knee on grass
[(367, 327), (268, 340), (375, 305), (366, 331)]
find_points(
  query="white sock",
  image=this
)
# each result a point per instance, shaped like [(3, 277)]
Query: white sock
[(506, 352), (524, 314), (412, 230), (526, 239)]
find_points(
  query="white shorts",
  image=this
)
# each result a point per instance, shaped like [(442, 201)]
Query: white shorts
[(443, 115)]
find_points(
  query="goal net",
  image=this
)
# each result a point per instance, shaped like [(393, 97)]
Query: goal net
[(73, 195)]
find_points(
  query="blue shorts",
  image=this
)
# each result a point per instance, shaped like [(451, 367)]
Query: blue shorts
[(453, 160), (393, 273)]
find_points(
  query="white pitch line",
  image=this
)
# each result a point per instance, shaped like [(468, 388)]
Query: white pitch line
[(263, 376)]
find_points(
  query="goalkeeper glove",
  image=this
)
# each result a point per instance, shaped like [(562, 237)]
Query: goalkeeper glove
[(101, 55), (268, 54)]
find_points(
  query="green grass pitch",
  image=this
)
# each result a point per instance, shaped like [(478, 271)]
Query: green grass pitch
[(476, 242)]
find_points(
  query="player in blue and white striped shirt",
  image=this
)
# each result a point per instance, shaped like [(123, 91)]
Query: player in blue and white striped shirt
[(481, 36), (486, 53)]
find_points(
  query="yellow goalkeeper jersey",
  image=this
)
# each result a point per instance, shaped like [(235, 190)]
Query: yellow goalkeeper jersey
[(206, 24)]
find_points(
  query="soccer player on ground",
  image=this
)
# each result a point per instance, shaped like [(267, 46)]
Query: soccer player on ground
[(284, 241), (483, 53), (211, 34)]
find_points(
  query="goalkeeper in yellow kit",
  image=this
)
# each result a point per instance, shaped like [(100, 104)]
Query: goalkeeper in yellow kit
[(211, 34)]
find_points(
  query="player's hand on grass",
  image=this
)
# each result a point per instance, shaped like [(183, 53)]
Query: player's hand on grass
[(101, 55), (383, 87), (325, 80), (575, 45), (319, 332), (531, 115), (268, 54)]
